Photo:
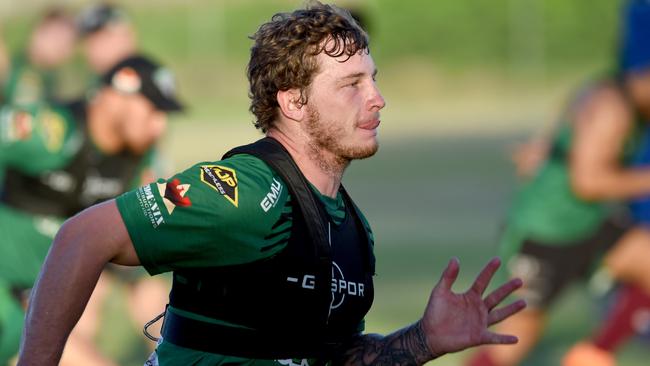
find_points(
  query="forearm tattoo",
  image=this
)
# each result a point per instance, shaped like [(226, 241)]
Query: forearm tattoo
[(407, 346)]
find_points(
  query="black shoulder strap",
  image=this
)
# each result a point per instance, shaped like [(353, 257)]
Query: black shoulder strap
[(277, 157), (369, 258)]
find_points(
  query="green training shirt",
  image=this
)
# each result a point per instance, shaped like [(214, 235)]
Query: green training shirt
[(38, 141), (195, 222), (37, 138), (28, 85), (547, 210)]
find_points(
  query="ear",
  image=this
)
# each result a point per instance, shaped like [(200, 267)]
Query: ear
[(291, 106)]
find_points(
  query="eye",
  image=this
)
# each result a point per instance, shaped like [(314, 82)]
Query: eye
[(354, 83)]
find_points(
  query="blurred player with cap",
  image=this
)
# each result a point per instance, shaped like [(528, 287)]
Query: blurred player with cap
[(108, 36), (61, 159)]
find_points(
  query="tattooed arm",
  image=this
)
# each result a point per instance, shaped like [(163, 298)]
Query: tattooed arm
[(451, 322), (407, 346)]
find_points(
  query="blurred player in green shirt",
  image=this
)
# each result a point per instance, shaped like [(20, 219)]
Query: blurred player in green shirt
[(565, 220), (31, 76), (61, 159)]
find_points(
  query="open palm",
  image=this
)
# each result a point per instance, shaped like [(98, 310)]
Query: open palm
[(455, 321)]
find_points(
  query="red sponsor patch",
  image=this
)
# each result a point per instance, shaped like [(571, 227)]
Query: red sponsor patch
[(174, 194), (23, 125)]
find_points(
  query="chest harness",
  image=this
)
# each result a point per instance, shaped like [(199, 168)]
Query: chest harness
[(280, 307)]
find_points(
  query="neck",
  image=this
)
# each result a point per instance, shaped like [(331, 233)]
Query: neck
[(102, 130), (321, 168)]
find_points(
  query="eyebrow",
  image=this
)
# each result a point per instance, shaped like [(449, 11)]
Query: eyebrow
[(358, 75)]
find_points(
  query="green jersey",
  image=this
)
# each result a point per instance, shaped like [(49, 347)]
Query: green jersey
[(34, 140), (28, 85), (547, 210), (230, 212), (37, 137), (546, 207), (51, 171)]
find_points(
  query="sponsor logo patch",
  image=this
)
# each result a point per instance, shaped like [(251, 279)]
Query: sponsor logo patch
[(22, 125), (15, 125), (222, 180), (294, 362), (149, 206), (53, 130), (271, 198), (340, 286), (173, 194)]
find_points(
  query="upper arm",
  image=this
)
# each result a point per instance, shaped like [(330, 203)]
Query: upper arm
[(602, 125), (101, 231)]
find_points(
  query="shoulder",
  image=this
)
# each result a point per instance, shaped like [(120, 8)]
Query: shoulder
[(243, 168), (603, 101), (364, 221), (242, 182)]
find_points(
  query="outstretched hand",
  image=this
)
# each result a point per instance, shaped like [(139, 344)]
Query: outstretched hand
[(453, 322)]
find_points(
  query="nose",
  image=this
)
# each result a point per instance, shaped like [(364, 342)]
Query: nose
[(376, 100)]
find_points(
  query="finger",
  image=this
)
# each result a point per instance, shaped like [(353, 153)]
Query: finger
[(499, 314), (450, 274), (495, 338), (483, 279), (496, 296)]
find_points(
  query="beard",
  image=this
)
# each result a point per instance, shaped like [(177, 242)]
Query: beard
[(327, 137)]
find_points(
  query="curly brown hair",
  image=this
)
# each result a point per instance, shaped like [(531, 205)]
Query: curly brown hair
[(284, 54)]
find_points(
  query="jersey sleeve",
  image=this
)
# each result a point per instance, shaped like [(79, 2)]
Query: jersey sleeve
[(33, 139), (213, 214)]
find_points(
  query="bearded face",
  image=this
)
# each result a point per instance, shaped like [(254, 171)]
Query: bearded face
[(333, 137)]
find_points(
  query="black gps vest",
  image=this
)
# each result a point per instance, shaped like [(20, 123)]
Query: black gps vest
[(306, 301), (90, 177)]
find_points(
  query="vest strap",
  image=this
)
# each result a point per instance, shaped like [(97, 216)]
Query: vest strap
[(244, 342), (275, 155)]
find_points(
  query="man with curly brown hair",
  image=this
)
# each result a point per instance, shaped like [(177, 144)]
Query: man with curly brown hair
[(272, 261)]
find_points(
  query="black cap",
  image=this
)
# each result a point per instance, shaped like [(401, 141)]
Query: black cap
[(138, 74), (97, 16)]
